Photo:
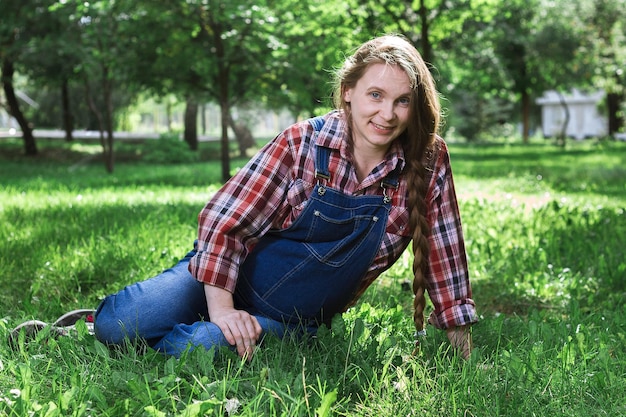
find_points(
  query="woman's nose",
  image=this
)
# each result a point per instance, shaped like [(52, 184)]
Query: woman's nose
[(387, 110)]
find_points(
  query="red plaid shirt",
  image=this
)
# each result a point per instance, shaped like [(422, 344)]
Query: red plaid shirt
[(272, 189)]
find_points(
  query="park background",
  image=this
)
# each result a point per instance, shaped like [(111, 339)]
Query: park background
[(114, 198)]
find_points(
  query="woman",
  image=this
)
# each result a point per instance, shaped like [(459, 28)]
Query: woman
[(307, 225)]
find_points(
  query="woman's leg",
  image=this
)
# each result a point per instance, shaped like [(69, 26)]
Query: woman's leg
[(168, 311), (208, 335), (151, 309)]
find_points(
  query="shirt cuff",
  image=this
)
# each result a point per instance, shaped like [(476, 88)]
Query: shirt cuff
[(214, 270), (461, 314)]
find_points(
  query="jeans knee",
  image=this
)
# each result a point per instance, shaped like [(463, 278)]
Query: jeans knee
[(108, 327)]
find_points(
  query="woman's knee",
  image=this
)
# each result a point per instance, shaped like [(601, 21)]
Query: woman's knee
[(108, 325)]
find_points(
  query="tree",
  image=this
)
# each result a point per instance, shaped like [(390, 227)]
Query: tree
[(604, 51), (516, 50), (513, 46), (432, 25), (51, 57), (19, 18), (557, 40), (315, 38), (106, 56), (238, 56), (172, 60), (211, 50)]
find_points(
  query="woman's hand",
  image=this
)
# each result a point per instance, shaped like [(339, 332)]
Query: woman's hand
[(461, 339), (240, 329)]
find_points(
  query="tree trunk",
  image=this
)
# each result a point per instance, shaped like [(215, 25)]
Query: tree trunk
[(68, 119), (225, 154), (96, 113), (223, 76), (168, 115), (108, 119), (613, 101), (427, 50), (110, 155), (203, 118), (30, 146), (525, 115), (563, 135), (191, 124), (243, 135)]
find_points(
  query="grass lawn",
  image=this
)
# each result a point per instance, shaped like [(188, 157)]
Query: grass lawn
[(545, 231)]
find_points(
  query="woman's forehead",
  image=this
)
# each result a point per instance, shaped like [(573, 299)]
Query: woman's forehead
[(391, 78)]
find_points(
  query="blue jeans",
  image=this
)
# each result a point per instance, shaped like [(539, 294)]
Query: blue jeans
[(170, 313)]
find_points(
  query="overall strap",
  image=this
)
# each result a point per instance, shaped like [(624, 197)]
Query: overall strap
[(391, 180), (322, 154), (317, 123), (322, 158)]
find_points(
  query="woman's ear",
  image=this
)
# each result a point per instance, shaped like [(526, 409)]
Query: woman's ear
[(346, 94)]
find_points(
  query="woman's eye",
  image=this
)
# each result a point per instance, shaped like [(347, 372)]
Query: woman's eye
[(404, 101), (375, 95)]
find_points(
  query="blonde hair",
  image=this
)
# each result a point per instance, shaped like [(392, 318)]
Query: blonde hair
[(418, 140)]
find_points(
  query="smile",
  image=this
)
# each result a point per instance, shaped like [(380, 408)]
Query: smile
[(379, 127)]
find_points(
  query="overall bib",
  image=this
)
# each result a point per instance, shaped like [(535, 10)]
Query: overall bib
[(309, 272)]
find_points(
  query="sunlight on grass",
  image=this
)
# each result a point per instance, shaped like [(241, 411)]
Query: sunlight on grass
[(38, 199), (88, 149)]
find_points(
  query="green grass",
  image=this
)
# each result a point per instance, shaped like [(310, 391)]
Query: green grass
[(545, 231)]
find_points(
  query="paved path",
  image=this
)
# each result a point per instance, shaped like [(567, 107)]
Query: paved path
[(92, 135)]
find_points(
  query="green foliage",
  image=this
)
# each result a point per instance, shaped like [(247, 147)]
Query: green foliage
[(169, 149), (544, 232)]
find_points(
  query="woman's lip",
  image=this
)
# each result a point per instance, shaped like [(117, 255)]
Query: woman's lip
[(380, 127)]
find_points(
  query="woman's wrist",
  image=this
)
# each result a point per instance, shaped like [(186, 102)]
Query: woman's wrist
[(218, 300)]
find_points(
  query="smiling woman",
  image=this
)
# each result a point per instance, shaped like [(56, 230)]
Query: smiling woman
[(321, 211)]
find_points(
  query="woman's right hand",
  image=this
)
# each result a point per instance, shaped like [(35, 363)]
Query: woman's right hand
[(240, 328)]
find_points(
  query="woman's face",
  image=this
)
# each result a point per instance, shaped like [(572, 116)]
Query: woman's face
[(380, 104)]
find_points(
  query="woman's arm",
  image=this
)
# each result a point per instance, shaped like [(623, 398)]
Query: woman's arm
[(448, 281), (240, 213), (241, 329)]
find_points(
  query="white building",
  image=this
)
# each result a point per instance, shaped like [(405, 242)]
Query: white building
[(585, 120)]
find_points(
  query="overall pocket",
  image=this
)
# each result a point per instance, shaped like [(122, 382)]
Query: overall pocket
[(334, 241)]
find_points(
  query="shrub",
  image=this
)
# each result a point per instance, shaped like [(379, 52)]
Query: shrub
[(169, 149)]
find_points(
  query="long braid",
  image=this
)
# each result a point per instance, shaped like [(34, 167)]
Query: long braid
[(419, 154), (418, 163), (419, 225)]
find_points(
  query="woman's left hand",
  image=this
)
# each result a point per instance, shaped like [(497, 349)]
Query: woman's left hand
[(461, 339)]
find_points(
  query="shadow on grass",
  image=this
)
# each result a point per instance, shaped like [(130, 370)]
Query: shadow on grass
[(62, 255), (26, 177), (598, 167)]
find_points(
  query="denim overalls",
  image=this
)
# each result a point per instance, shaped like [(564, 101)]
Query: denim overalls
[(310, 271), (295, 278)]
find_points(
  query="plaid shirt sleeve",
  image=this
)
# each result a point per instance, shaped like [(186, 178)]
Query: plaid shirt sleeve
[(448, 282), (243, 210)]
